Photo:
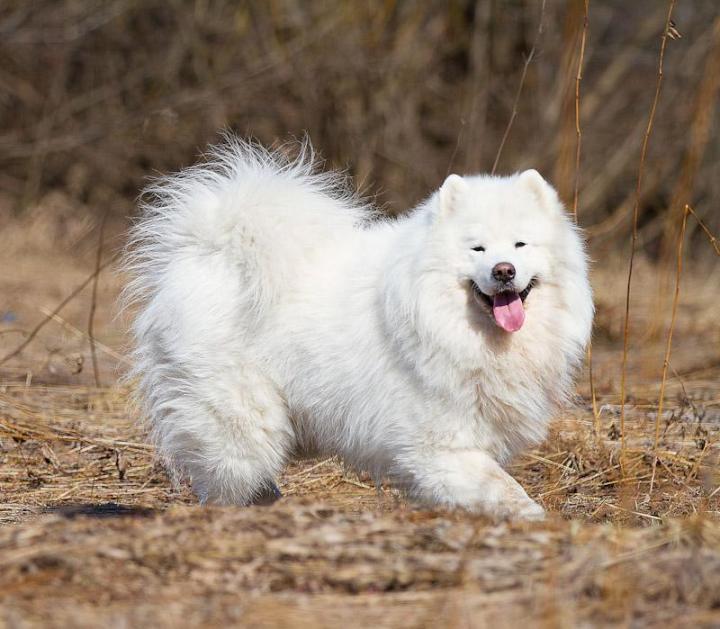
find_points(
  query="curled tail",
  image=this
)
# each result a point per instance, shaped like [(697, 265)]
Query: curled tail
[(247, 201)]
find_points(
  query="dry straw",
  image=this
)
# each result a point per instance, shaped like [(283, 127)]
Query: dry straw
[(634, 238), (578, 131), (93, 301), (576, 187), (668, 346)]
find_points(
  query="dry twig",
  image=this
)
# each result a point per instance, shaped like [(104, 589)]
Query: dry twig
[(578, 131), (633, 243), (34, 332), (93, 300), (668, 346), (521, 84), (708, 233)]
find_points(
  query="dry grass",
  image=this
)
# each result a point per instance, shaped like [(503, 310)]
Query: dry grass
[(64, 446), (316, 565), (92, 531), (97, 534)]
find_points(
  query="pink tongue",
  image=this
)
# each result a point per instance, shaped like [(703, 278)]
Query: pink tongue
[(508, 311)]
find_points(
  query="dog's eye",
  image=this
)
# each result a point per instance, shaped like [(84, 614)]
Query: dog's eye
[(519, 244), (479, 248)]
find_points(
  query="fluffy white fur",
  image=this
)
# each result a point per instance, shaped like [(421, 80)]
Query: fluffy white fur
[(280, 316)]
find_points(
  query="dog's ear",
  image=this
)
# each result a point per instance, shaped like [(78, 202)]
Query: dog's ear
[(451, 189), (532, 180)]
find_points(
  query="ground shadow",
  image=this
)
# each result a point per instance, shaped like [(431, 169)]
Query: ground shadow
[(102, 510)]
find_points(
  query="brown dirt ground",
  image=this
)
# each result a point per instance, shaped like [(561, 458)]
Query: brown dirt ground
[(93, 533)]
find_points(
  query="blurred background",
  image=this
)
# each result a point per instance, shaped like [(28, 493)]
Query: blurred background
[(98, 96)]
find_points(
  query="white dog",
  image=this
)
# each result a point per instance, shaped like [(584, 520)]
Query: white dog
[(281, 316)]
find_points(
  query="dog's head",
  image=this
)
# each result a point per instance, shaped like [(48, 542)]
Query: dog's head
[(505, 238)]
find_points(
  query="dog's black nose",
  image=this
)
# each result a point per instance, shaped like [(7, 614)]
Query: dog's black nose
[(503, 272)]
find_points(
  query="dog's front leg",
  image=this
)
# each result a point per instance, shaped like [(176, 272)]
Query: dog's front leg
[(473, 480)]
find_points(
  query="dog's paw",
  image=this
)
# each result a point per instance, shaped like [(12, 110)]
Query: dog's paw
[(525, 510), (530, 511)]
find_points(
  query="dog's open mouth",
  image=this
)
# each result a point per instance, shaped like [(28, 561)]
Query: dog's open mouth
[(507, 306)]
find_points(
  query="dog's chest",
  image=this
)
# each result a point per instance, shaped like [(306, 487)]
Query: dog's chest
[(512, 408)]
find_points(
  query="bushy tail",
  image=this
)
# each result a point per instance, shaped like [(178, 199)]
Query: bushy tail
[(248, 201)]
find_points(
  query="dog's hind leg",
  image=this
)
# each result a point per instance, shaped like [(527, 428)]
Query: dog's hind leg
[(473, 480), (228, 432)]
